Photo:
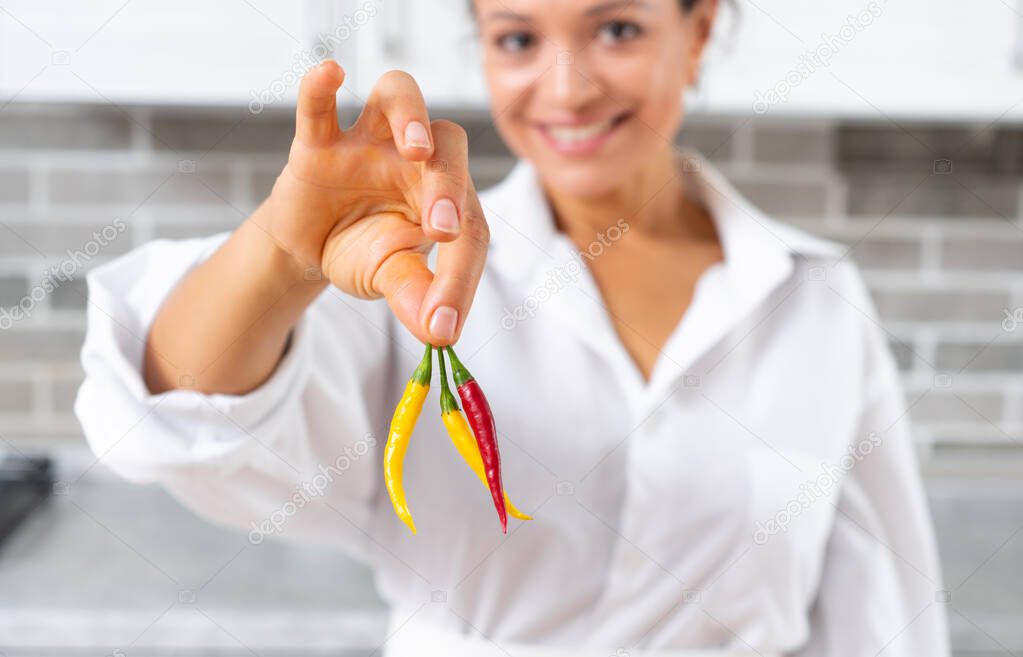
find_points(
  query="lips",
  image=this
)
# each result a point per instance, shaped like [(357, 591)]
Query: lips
[(580, 138)]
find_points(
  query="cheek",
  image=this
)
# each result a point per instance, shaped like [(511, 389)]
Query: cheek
[(662, 88), (506, 81), (509, 95)]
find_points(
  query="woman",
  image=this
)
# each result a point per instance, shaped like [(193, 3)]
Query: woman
[(695, 402)]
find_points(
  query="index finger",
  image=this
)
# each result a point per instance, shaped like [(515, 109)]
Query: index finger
[(396, 111), (459, 269)]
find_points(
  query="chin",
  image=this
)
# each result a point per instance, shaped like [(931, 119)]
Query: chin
[(582, 178)]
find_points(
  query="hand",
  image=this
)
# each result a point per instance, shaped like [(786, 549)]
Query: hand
[(366, 205)]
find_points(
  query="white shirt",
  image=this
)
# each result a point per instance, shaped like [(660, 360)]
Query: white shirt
[(760, 492)]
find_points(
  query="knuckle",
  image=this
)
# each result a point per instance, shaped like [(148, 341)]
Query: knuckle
[(447, 177), (457, 180), (451, 179), (476, 229), (317, 107), (378, 250), (438, 166)]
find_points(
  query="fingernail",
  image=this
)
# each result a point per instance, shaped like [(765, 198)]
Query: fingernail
[(444, 216), (416, 135), (443, 323)]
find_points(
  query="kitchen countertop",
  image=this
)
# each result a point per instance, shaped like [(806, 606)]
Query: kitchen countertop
[(108, 566)]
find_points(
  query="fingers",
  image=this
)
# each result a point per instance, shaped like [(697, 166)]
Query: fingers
[(316, 115), (404, 279), (459, 268), (433, 306), (396, 111), (445, 177)]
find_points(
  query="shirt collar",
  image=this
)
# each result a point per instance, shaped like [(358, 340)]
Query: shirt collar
[(523, 229), (521, 222), (759, 255)]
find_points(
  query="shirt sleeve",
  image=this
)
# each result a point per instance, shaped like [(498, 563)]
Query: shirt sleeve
[(881, 590), (294, 459)]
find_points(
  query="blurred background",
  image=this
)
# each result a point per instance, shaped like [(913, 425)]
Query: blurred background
[(891, 127)]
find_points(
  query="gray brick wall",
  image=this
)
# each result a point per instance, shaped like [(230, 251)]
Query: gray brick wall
[(930, 213)]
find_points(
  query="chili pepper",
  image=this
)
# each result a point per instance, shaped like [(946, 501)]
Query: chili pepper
[(402, 424), (481, 419), (462, 437)]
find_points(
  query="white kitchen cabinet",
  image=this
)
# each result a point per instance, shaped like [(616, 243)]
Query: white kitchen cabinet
[(433, 40), (943, 59), (870, 59), (148, 51), (229, 52), (862, 59)]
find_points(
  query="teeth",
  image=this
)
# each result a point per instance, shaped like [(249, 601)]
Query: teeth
[(581, 133)]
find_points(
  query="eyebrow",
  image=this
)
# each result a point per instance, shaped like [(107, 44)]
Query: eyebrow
[(602, 8)]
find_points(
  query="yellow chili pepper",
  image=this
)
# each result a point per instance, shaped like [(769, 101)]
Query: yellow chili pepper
[(406, 413), (462, 436)]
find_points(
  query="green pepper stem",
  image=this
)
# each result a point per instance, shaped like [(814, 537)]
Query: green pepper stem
[(448, 403), (458, 371), (424, 371)]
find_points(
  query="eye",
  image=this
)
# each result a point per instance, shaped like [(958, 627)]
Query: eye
[(514, 42), (619, 31)]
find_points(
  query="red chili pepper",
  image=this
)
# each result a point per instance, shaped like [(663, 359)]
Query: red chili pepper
[(481, 419)]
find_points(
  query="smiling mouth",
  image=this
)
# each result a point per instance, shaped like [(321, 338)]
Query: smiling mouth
[(581, 139)]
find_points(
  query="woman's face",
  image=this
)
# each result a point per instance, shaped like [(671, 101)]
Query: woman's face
[(590, 90)]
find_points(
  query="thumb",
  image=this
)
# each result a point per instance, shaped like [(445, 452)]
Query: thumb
[(403, 279)]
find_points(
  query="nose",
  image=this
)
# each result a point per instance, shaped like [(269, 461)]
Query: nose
[(572, 84)]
